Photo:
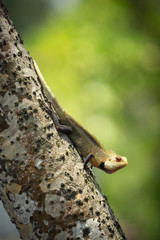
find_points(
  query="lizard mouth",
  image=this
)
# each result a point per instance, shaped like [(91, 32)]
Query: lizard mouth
[(111, 171), (102, 167)]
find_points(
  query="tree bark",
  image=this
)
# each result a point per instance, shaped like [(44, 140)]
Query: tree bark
[(43, 186)]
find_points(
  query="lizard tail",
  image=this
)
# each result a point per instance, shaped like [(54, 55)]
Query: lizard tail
[(49, 94)]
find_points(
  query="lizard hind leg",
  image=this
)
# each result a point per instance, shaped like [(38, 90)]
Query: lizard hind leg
[(60, 127), (64, 129)]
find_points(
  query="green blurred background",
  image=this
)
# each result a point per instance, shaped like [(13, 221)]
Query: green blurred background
[(101, 58)]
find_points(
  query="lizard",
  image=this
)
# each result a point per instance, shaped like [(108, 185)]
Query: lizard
[(87, 144)]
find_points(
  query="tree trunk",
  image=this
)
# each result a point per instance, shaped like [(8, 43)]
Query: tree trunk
[(43, 186)]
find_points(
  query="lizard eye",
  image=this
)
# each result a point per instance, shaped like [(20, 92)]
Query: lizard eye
[(118, 159), (101, 166)]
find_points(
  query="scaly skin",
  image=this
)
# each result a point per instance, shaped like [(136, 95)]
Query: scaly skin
[(86, 143)]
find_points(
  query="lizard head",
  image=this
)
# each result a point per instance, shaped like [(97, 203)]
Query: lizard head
[(113, 163)]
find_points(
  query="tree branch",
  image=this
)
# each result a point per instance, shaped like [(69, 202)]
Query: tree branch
[(43, 186)]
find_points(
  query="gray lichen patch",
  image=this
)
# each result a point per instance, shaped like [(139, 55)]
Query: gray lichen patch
[(89, 229), (53, 206), (62, 235), (24, 208), (8, 101), (39, 163)]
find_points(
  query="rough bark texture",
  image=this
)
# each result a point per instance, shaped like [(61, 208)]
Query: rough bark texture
[(43, 186)]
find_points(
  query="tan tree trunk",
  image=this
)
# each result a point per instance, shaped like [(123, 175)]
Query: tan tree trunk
[(43, 186)]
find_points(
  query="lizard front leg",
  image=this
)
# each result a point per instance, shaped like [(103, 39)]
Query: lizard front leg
[(88, 158)]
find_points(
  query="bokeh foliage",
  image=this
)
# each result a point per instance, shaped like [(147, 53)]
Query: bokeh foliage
[(102, 61)]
